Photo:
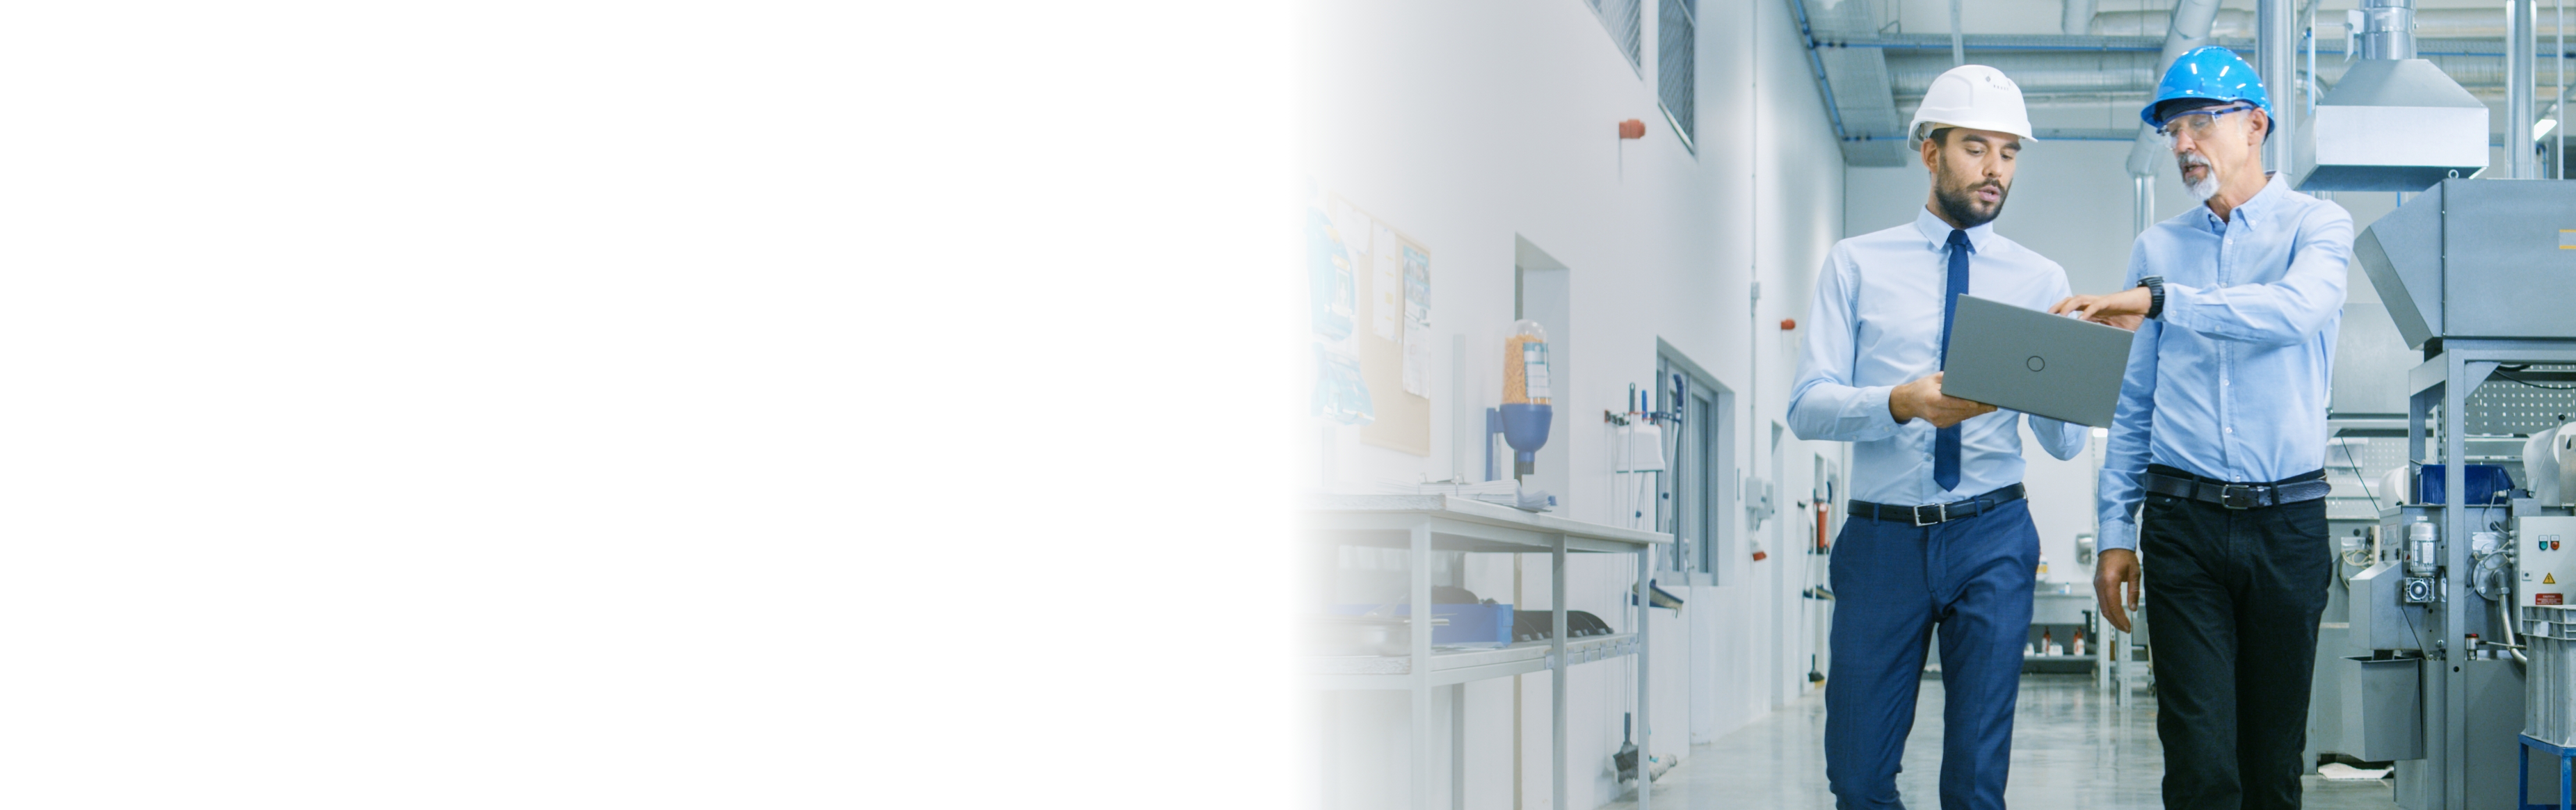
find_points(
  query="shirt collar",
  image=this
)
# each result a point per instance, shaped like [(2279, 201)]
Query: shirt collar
[(1938, 232), (2275, 190)]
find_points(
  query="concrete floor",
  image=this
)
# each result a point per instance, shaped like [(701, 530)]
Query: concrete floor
[(2073, 747)]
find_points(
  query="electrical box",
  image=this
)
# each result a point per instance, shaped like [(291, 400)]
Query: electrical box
[(2546, 563), (1758, 506)]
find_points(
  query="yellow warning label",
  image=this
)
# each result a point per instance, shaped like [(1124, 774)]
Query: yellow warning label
[(2549, 579)]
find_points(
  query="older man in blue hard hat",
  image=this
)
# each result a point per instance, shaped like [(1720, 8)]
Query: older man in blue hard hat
[(2221, 432), (1940, 538)]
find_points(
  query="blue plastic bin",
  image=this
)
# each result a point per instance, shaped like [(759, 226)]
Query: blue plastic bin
[(2488, 485)]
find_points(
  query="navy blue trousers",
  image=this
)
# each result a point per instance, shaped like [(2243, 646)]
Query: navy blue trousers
[(1894, 585)]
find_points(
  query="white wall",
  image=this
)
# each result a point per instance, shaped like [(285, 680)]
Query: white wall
[(1467, 124)]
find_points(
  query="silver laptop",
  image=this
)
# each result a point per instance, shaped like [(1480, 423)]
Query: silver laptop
[(2033, 362)]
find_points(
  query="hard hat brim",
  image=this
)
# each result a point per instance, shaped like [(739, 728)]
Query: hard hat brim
[(1923, 131)]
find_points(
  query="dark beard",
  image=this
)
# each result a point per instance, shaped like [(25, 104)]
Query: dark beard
[(1959, 204)]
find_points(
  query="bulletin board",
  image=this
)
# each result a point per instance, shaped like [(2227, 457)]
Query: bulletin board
[(1392, 333)]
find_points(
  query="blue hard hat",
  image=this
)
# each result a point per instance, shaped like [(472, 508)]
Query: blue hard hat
[(2207, 72)]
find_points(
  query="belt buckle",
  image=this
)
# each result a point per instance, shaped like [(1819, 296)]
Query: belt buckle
[(1944, 512), (2236, 496)]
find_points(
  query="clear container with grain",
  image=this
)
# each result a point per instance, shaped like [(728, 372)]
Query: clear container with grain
[(1525, 378)]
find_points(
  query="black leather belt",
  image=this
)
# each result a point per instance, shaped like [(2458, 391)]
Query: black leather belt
[(2238, 496), (1932, 513)]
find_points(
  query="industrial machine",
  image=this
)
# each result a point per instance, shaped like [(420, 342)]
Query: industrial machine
[(2459, 650), (2460, 629)]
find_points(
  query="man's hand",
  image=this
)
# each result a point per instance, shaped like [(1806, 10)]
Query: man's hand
[(2115, 585), (2123, 309), (1922, 399)]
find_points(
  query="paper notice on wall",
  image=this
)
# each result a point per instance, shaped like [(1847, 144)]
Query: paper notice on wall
[(1386, 319), (1417, 321)]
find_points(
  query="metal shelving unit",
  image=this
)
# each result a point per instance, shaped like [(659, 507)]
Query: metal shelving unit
[(1450, 667), (1425, 523)]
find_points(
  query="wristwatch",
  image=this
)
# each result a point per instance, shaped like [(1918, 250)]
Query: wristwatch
[(2155, 293)]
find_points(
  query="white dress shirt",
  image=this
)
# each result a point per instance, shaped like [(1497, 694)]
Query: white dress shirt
[(1876, 324)]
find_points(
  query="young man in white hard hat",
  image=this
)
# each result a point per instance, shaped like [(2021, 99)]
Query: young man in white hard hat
[(1940, 538), (2221, 432)]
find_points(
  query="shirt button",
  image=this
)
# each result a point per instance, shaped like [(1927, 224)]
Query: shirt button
[(2231, 430)]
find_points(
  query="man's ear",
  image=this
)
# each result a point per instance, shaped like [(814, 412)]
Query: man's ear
[(2258, 126), (1931, 155)]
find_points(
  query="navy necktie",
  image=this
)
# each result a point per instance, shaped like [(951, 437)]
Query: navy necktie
[(1945, 442)]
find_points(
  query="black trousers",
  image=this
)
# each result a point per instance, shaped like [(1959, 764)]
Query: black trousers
[(2233, 597)]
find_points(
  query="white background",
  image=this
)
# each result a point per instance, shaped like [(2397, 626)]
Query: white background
[(548, 404)]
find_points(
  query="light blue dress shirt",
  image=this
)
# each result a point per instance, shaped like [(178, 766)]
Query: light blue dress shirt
[(2230, 380), (1876, 324)]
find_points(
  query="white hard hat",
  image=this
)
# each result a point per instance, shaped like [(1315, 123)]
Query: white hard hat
[(1971, 96)]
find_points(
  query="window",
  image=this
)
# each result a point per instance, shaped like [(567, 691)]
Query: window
[(1621, 18), (1698, 490), (1676, 65)]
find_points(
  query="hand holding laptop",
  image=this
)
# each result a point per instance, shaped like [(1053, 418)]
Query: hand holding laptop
[(1922, 399)]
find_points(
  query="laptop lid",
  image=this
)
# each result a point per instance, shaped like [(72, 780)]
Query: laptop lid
[(2036, 363)]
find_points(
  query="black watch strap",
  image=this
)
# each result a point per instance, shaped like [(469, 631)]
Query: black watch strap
[(2155, 293)]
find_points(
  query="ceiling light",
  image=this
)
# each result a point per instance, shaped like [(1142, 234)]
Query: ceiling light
[(2541, 128)]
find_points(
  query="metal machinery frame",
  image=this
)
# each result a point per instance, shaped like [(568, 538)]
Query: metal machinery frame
[(2566, 774), (1422, 524), (2447, 380)]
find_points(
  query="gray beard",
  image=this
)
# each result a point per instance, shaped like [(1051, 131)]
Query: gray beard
[(2203, 190), (2208, 185)]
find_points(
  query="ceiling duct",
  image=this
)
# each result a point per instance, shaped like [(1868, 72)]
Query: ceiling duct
[(2393, 122), (2227, 24), (2189, 29), (2079, 16)]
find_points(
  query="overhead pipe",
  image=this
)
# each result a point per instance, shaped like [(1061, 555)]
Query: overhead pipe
[(1910, 73), (2190, 29), (2143, 207), (2434, 23), (2387, 29), (2275, 49), (1958, 36), (2520, 71), (2043, 73)]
